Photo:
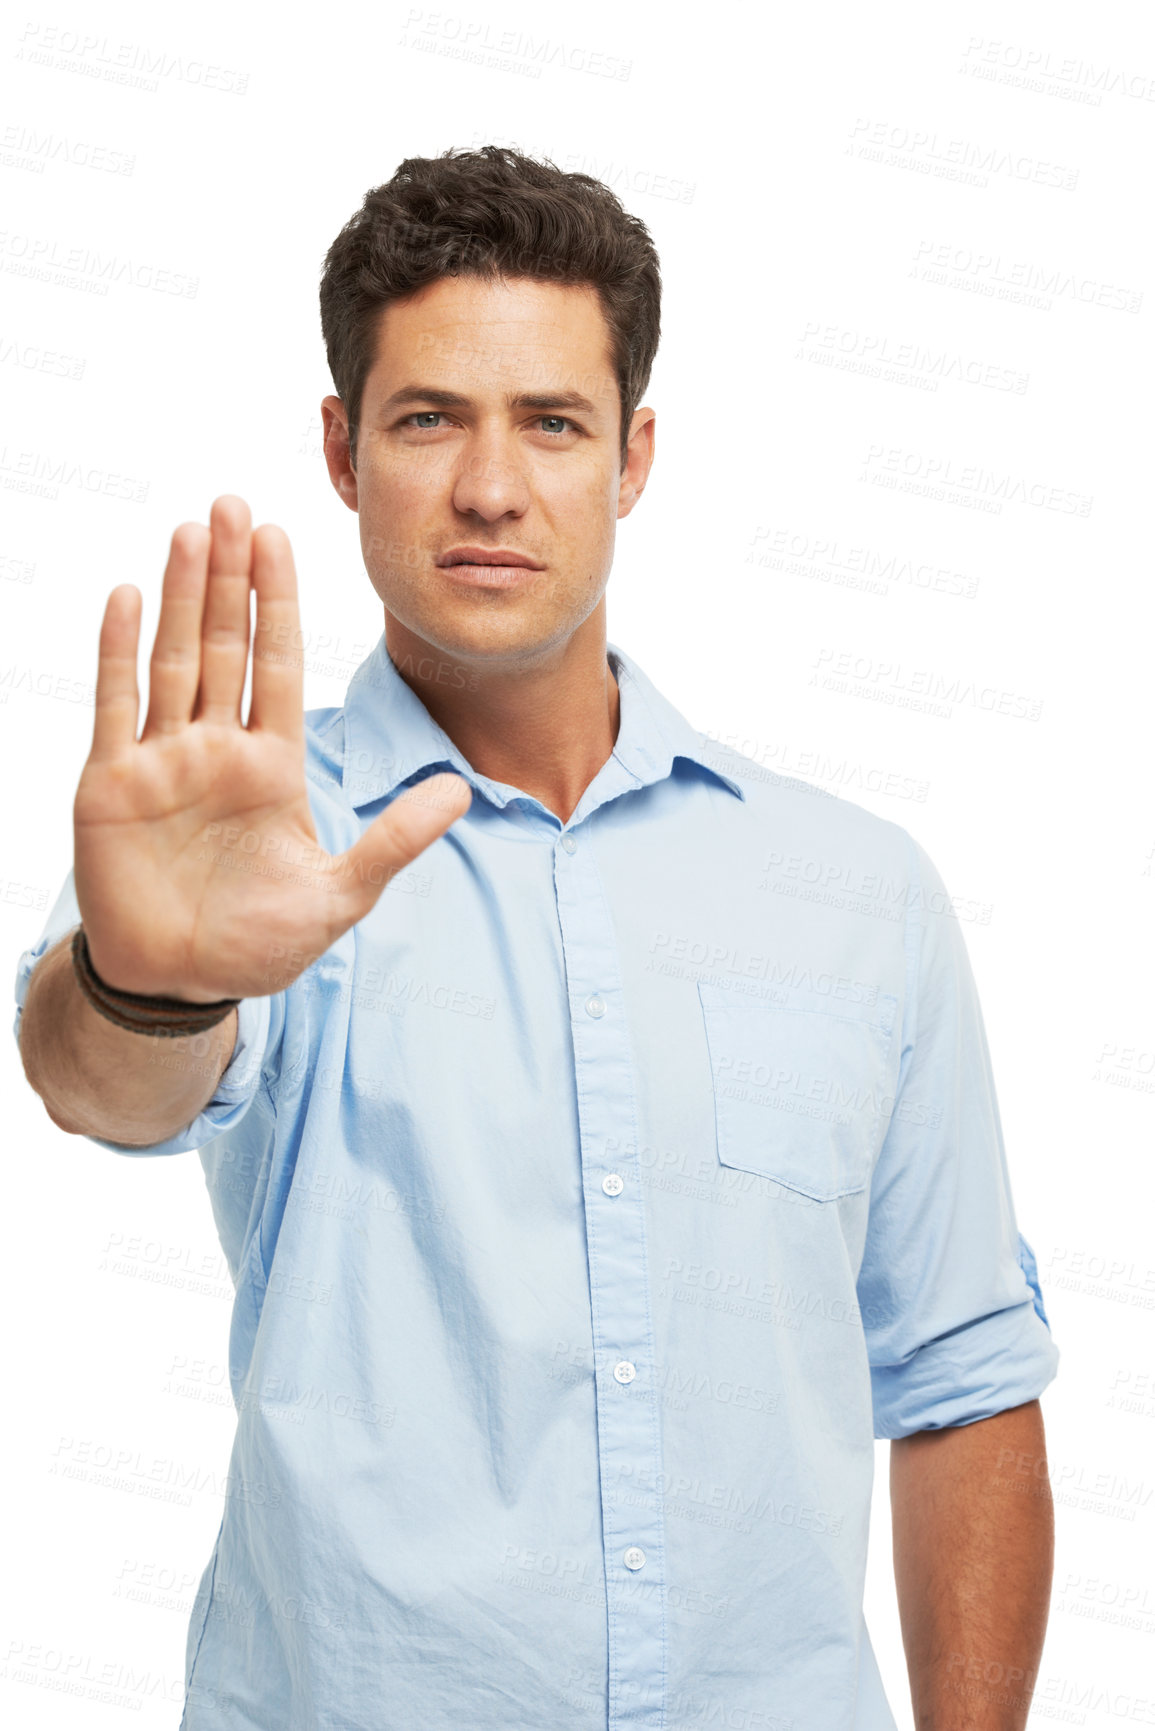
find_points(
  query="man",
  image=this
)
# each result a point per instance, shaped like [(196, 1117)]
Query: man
[(593, 1199)]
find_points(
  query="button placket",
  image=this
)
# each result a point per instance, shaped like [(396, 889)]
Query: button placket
[(628, 1419)]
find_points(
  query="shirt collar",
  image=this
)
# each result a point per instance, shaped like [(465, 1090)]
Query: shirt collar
[(390, 736)]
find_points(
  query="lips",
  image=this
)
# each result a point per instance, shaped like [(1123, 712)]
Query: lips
[(488, 556)]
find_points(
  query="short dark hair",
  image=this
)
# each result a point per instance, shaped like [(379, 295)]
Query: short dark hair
[(491, 213)]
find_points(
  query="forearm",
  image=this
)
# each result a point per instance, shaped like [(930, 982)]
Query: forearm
[(97, 1079), (973, 1556)]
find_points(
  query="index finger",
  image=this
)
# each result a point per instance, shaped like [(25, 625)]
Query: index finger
[(278, 697)]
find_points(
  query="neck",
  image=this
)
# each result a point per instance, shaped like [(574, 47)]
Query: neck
[(545, 725)]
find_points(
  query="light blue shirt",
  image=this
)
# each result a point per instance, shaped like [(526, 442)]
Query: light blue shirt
[(592, 1205)]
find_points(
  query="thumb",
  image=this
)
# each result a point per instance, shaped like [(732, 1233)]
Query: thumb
[(407, 826)]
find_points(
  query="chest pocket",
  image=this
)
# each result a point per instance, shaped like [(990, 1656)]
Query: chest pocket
[(799, 1087)]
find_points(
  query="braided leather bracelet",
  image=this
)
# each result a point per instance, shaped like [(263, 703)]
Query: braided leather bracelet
[(137, 1011)]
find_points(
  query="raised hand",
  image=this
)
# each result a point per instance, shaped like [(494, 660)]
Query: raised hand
[(169, 826)]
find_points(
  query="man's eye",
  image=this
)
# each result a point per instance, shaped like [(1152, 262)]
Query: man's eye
[(554, 426)]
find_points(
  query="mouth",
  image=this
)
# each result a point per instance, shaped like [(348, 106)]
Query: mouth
[(488, 567), (496, 558)]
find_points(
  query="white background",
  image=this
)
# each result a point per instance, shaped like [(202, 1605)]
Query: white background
[(957, 197)]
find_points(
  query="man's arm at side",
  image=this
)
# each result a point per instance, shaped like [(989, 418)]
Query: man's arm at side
[(973, 1526), (96, 1079)]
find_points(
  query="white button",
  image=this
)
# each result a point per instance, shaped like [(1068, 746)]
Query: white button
[(569, 843), (612, 1184), (625, 1371), (634, 1558), (595, 1006)]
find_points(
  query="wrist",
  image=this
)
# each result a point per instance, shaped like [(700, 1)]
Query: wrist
[(139, 1012)]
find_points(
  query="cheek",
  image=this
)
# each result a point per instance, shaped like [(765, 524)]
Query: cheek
[(393, 502), (397, 481), (586, 506)]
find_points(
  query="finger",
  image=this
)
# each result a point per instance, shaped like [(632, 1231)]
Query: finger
[(117, 693), (405, 829), (225, 624), (174, 666), (278, 699)]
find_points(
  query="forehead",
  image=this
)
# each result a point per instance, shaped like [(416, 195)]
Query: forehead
[(465, 331)]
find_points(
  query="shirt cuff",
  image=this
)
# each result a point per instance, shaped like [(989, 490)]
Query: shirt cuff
[(985, 1367), (235, 1090)]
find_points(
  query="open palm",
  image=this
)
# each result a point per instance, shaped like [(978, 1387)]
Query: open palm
[(198, 873)]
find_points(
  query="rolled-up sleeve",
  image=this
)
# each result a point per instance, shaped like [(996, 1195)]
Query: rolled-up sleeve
[(948, 1289), (238, 1084)]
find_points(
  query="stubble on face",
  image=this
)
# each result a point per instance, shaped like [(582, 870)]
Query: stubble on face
[(542, 480)]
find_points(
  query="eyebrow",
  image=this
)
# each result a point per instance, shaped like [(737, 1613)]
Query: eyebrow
[(542, 400)]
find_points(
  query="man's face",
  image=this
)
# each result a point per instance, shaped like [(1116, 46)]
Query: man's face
[(449, 459)]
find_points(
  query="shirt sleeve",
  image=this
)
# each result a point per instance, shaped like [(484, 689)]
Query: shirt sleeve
[(241, 1079), (948, 1289)]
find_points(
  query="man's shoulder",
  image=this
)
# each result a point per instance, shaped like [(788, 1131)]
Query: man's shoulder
[(804, 818)]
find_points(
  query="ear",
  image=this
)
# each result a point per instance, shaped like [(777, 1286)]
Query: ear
[(341, 471), (639, 460)]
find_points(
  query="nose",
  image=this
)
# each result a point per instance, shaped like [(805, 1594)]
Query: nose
[(490, 480)]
